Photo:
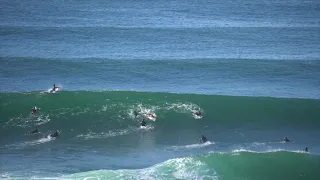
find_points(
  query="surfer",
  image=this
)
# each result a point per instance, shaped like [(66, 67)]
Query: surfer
[(54, 88), (55, 134), (34, 110), (34, 131), (143, 123), (135, 113), (306, 149), (203, 139), (286, 139), (198, 113)]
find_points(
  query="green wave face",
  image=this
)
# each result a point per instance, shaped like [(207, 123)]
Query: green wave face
[(115, 109)]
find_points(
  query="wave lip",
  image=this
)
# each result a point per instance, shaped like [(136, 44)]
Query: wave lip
[(234, 165)]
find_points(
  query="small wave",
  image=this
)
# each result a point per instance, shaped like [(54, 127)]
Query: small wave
[(180, 168), (5, 175)]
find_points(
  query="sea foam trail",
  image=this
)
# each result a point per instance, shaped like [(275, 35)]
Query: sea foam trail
[(30, 143), (190, 146)]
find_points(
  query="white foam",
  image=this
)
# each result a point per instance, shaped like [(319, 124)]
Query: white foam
[(189, 108), (192, 146), (5, 175), (28, 121), (30, 143), (196, 116), (93, 135), (267, 151), (179, 168), (42, 119), (147, 127)]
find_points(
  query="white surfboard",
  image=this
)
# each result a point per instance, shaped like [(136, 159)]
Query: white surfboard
[(151, 116), (196, 116), (52, 91)]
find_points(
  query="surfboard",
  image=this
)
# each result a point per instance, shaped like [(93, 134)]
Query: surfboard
[(151, 116), (196, 116), (52, 91)]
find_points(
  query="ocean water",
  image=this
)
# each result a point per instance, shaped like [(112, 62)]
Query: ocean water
[(251, 67)]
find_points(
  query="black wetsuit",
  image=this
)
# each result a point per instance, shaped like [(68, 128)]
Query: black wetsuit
[(143, 123), (55, 134), (34, 131), (204, 139), (33, 110)]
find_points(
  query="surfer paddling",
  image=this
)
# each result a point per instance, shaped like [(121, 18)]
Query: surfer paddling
[(143, 122), (55, 134), (34, 110), (34, 131), (135, 113)]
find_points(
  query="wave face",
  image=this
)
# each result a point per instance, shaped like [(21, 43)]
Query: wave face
[(115, 109)]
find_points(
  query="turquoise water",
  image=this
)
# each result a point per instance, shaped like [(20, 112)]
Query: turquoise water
[(101, 137), (251, 67)]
